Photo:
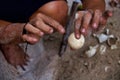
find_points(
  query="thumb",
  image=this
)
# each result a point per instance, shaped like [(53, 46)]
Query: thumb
[(31, 38)]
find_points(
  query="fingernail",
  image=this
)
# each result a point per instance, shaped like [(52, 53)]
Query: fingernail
[(94, 25), (41, 33), (62, 30), (77, 36), (110, 14), (51, 30), (83, 30), (34, 39)]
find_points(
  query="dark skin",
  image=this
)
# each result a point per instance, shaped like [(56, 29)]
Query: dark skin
[(46, 20), (10, 47), (94, 17)]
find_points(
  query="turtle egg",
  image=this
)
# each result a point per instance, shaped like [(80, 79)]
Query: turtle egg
[(76, 43)]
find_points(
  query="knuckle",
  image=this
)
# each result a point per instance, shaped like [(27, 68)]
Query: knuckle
[(38, 15), (27, 26), (38, 32), (98, 12), (37, 23), (78, 12), (88, 14), (36, 40), (84, 26)]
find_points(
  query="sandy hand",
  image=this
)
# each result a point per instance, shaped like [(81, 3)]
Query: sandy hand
[(15, 55)]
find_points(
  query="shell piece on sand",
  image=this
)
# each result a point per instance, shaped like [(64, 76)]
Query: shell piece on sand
[(102, 49), (92, 51), (102, 37), (107, 31), (114, 47), (112, 42)]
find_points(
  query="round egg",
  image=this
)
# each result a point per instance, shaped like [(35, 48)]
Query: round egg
[(76, 43)]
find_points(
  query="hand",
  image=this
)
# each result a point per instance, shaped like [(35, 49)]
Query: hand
[(39, 25), (89, 19)]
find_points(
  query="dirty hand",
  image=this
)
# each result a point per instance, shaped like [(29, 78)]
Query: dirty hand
[(39, 25), (90, 19)]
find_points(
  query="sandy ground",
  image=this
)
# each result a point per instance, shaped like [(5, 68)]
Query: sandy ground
[(73, 65)]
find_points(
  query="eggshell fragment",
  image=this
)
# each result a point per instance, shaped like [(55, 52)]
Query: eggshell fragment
[(92, 51), (76, 43)]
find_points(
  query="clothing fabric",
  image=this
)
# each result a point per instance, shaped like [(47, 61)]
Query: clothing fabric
[(19, 10)]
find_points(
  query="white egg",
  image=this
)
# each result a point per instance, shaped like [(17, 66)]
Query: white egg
[(76, 43)]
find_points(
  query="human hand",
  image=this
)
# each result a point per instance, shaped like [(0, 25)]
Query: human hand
[(39, 25), (89, 19)]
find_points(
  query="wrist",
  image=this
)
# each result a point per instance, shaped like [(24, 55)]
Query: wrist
[(94, 5)]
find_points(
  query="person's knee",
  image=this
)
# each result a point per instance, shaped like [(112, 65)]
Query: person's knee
[(56, 9)]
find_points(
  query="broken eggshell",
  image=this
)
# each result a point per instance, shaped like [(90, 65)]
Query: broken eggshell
[(107, 31), (112, 42), (92, 51), (102, 49), (102, 37)]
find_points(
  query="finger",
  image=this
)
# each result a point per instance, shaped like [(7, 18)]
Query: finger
[(30, 28), (43, 26), (30, 38), (78, 22), (86, 22), (96, 19), (105, 16), (53, 23)]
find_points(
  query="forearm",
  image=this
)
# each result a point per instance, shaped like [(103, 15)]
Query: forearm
[(94, 4), (52, 9), (10, 33)]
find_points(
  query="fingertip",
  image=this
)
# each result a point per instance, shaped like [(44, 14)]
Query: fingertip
[(41, 34), (29, 39), (51, 30), (62, 30), (77, 36), (107, 14), (34, 39), (110, 13), (94, 26), (83, 31)]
